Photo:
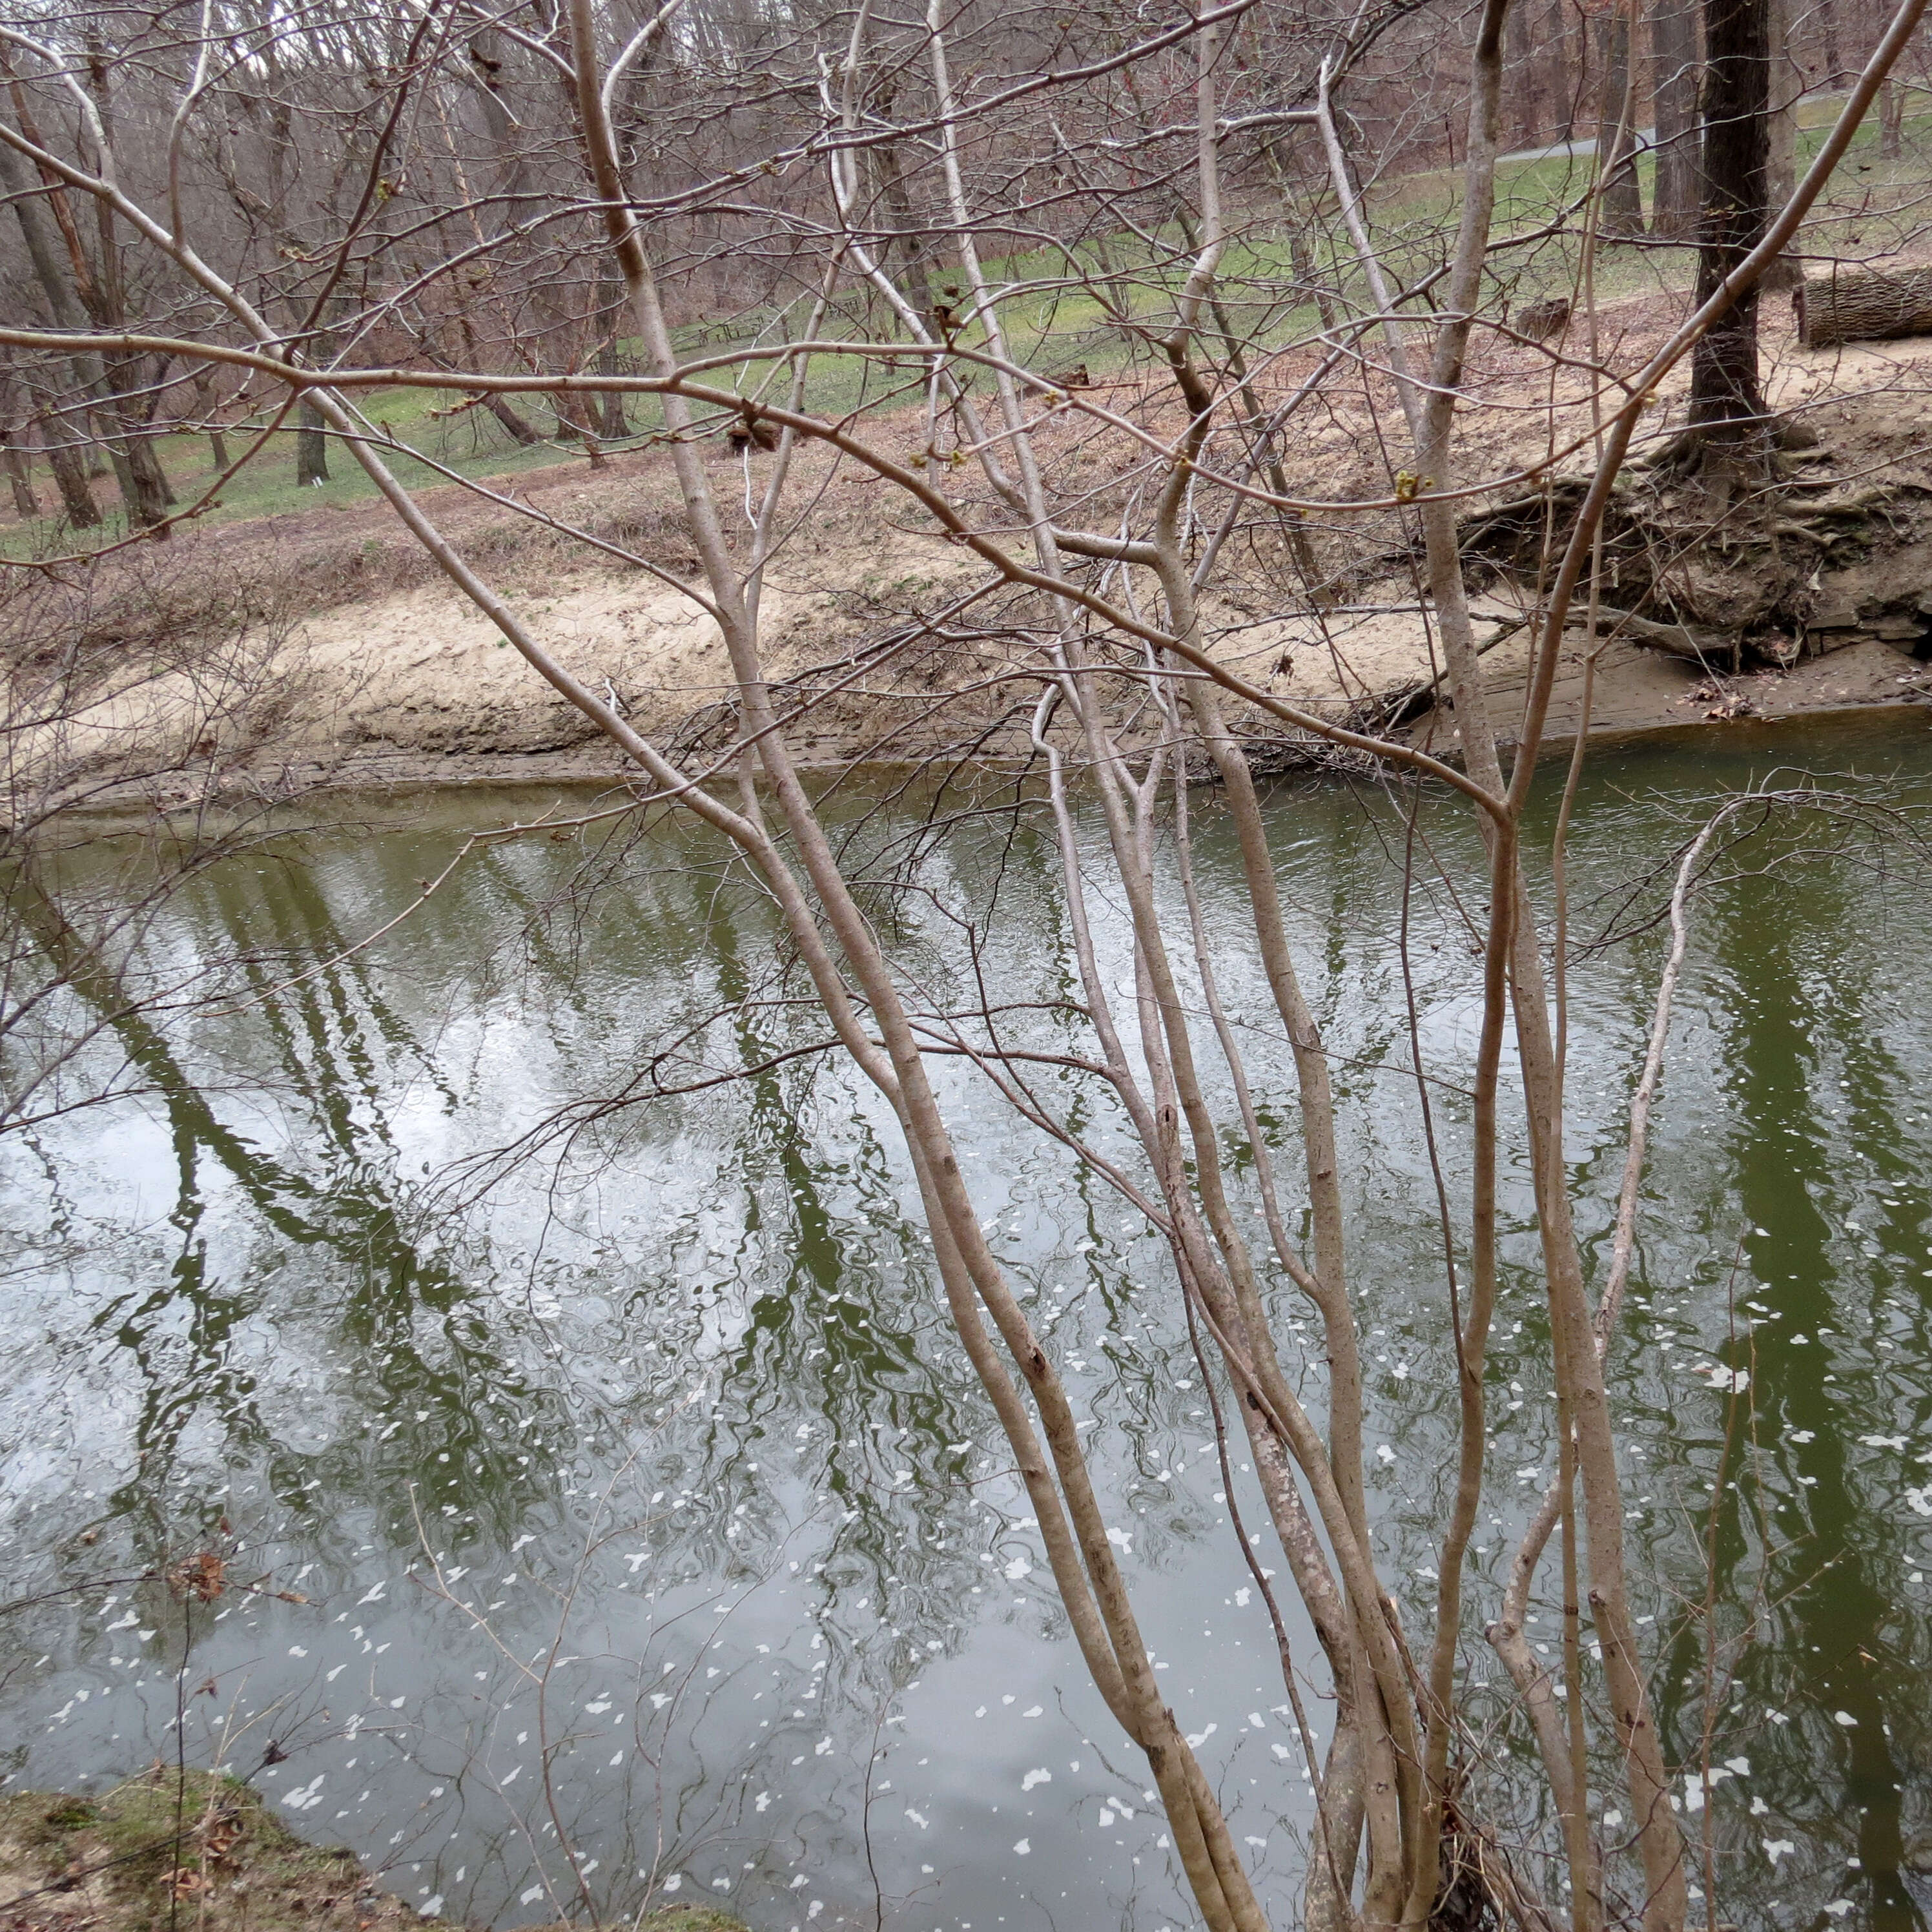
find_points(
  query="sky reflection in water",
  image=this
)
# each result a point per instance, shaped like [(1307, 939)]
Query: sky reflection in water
[(659, 1459)]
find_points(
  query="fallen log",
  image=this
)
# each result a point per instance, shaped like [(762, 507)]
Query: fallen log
[(1675, 640), (1863, 305)]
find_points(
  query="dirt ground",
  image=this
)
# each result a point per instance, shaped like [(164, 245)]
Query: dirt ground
[(157, 1854), (385, 676)]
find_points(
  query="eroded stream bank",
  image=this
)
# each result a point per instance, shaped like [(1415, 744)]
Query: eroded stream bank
[(323, 648)]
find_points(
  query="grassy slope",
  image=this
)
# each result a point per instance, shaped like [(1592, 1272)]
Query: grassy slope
[(1055, 328)]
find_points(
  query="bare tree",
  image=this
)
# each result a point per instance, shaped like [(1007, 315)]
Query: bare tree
[(905, 178)]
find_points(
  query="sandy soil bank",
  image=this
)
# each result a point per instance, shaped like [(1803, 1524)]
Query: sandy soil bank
[(334, 652)]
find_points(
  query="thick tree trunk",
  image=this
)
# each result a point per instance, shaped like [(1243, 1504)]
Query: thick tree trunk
[(1726, 404), (1863, 305), (144, 484), (1673, 66), (1622, 202)]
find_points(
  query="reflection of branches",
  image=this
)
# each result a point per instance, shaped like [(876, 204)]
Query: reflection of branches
[(1103, 548)]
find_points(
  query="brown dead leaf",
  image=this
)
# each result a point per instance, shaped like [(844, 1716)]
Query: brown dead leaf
[(203, 1577)]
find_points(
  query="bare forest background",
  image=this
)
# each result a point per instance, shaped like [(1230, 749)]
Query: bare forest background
[(444, 228)]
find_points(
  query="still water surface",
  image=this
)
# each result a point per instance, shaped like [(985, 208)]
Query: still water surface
[(653, 1459)]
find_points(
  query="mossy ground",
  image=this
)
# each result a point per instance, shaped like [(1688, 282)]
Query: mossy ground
[(208, 1856), (156, 1855)]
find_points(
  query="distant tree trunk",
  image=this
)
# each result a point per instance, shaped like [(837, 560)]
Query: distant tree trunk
[(1572, 52), (1673, 66), (20, 480), (576, 421), (901, 229), (1622, 204), (1726, 413), (69, 469), (205, 404), (1827, 27), (614, 425), (145, 487), (1525, 96), (1291, 180), (1787, 84), (1890, 121), (520, 431), (311, 445), (1308, 275), (16, 438)]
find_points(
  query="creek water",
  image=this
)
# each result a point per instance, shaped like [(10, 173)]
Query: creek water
[(644, 1535)]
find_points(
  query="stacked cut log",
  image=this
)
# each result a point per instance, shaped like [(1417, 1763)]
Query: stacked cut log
[(1863, 305)]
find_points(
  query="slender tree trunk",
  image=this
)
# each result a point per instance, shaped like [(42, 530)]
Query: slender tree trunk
[(311, 445), (19, 479), (1673, 66), (1622, 203), (1726, 404), (69, 467), (519, 429), (1890, 121), (615, 426), (1828, 28), (1787, 83), (205, 402)]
